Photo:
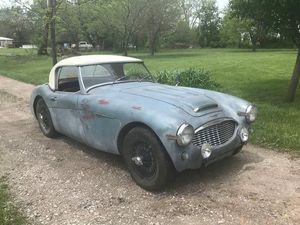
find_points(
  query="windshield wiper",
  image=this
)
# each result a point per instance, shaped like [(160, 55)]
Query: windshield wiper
[(119, 79), (145, 77)]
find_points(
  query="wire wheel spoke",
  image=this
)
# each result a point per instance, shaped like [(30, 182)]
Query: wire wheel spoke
[(143, 160), (43, 117)]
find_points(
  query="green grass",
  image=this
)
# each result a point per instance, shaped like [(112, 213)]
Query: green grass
[(260, 77), (9, 214)]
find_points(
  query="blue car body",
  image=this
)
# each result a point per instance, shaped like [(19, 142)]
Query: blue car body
[(101, 117)]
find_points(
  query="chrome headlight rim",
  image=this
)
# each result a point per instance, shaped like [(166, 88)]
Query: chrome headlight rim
[(182, 132), (250, 113)]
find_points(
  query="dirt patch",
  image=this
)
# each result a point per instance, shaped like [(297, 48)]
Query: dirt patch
[(59, 181)]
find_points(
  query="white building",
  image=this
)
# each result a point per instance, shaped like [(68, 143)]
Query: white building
[(5, 42)]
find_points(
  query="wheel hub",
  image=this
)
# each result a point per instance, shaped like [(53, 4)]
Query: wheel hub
[(143, 160), (137, 160)]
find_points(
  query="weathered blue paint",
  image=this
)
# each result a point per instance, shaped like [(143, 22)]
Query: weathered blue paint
[(97, 117)]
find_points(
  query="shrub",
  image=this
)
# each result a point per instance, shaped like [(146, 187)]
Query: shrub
[(192, 77)]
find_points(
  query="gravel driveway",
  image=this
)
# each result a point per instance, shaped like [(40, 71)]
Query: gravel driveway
[(59, 181)]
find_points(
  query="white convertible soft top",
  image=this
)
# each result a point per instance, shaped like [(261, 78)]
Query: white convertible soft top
[(88, 60)]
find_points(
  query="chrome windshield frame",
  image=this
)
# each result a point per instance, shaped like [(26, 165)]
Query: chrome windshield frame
[(86, 90)]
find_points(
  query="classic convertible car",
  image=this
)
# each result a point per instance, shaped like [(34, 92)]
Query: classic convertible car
[(112, 103)]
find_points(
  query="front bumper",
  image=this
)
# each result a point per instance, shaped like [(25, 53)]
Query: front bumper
[(194, 158)]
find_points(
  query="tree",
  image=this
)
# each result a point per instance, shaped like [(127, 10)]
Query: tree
[(180, 37), (68, 23), (233, 31), (160, 16), (14, 23), (208, 23), (283, 17), (52, 18), (255, 16), (127, 17), (38, 13)]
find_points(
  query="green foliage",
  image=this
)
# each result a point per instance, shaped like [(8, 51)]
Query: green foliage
[(15, 24), (231, 30), (9, 214), (180, 37), (278, 16), (192, 77), (160, 17), (209, 22)]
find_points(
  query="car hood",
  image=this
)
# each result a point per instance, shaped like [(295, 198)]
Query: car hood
[(191, 101)]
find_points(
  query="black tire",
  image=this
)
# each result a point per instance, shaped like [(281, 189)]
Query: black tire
[(44, 119), (147, 161)]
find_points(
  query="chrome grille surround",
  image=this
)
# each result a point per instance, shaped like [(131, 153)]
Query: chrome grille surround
[(215, 133)]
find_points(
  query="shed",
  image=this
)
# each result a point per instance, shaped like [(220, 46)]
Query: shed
[(5, 42)]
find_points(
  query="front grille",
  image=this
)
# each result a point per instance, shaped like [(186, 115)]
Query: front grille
[(216, 134)]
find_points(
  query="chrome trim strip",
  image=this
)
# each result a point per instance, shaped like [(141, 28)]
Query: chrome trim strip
[(213, 122), (171, 137), (81, 81)]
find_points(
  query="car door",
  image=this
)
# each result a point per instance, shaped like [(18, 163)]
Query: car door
[(98, 120), (64, 102)]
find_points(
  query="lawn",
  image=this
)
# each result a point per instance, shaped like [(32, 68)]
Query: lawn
[(9, 214), (261, 77)]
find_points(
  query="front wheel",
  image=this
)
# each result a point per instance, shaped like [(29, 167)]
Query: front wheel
[(44, 119), (147, 161)]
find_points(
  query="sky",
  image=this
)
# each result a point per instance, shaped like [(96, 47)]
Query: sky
[(221, 3)]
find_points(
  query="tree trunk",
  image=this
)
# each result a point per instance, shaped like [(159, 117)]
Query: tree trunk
[(52, 31), (125, 47), (42, 50), (294, 80), (152, 43), (152, 47), (253, 41), (125, 50)]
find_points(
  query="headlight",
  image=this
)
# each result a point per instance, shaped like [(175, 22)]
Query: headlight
[(250, 113), (185, 134)]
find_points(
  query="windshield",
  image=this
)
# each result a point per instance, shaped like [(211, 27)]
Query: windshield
[(114, 73)]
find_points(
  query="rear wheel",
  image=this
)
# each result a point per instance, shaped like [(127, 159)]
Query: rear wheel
[(44, 119), (147, 161)]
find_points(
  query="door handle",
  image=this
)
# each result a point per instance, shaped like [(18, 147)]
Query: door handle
[(53, 99)]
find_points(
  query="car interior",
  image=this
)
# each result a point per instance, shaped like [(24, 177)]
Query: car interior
[(68, 79)]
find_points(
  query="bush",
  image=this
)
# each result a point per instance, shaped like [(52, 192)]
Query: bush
[(192, 77)]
